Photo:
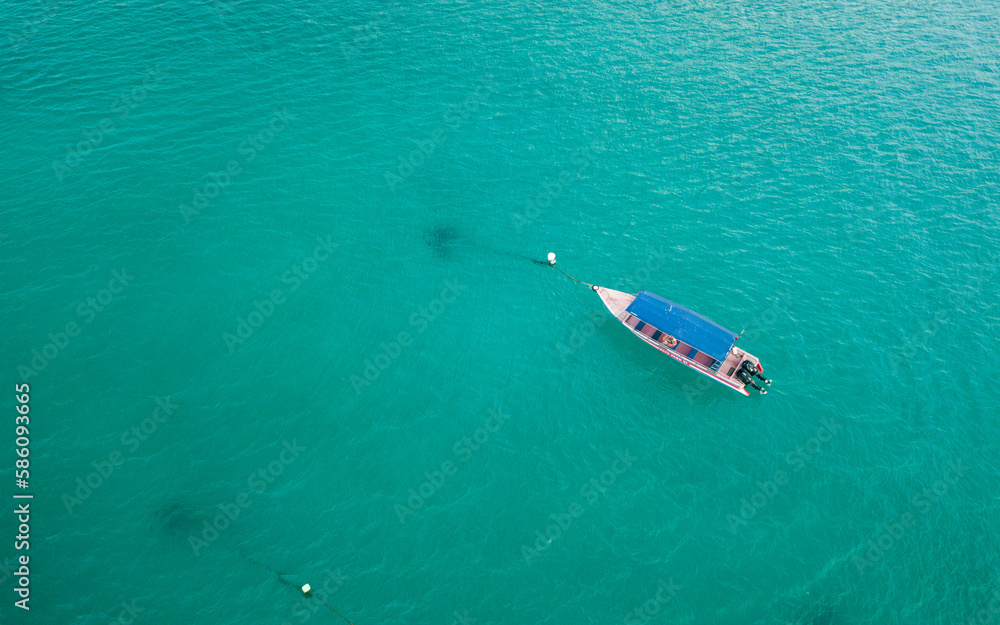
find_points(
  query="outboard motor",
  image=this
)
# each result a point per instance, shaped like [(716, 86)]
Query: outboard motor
[(753, 370), (746, 373)]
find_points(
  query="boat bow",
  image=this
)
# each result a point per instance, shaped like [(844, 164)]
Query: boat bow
[(616, 301)]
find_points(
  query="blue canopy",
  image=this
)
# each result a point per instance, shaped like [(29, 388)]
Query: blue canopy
[(683, 324)]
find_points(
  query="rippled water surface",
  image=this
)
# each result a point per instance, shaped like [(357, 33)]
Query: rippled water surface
[(291, 245)]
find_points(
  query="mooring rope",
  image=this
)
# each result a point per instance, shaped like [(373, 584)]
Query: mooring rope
[(306, 590), (552, 262), (572, 278), (331, 609)]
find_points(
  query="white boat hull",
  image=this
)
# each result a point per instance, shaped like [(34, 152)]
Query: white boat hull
[(617, 302)]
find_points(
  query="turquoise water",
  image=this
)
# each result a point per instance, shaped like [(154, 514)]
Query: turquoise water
[(289, 243)]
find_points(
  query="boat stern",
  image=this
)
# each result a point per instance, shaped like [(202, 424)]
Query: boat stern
[(745, 369)]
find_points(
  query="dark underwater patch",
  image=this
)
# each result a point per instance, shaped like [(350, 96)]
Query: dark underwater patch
[(818, 614), (441, 240), (176, 519)]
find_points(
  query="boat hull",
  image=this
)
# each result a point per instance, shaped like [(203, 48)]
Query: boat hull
[(617, 302)]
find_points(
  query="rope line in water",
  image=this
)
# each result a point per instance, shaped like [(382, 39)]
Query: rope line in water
[(331, 609), (306, 590), (571, 277)]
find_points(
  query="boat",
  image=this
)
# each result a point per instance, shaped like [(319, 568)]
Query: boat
[(689, 338)]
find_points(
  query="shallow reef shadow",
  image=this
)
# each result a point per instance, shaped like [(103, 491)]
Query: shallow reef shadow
[(177, 519), (441, 240), (819, 614)]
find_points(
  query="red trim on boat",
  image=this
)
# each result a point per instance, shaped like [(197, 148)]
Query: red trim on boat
[(691, 364)]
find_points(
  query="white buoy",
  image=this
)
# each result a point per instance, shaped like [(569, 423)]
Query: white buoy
[(552, 258), (306, 588)]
